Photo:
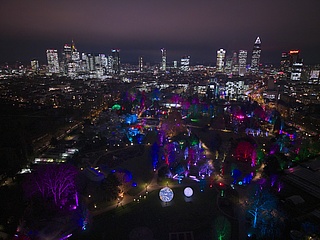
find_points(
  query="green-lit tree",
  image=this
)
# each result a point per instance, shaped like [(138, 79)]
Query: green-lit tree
[(222, 228)]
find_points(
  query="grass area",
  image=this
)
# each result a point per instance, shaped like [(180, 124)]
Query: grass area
[(196, 215)]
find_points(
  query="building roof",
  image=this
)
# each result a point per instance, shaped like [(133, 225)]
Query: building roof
[(306, 177)]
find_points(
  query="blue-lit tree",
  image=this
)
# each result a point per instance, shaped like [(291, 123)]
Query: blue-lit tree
[(155, 154), (262, 206), (259, 203)]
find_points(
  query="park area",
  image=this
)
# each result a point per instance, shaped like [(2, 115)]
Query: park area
[(204, 215)]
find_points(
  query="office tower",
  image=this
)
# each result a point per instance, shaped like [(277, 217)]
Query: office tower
[(83, 62), (66, 57), (35, 65), (163, 66), (90, 63), (109, 64), (285, 64), (235, 64), (53, 61), (221, 54), (67, 53), (103, 60), (243, 62), (256, 53), (175, 64), (140, 64), (71, 59), (314, 75), (115, 53), (296, 65), (228, 67), (185, 63), (75, 55)]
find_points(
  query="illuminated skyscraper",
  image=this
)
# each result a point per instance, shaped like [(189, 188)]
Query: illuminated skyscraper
[(66, 57), (235, 64), (285, 62), (221, 54), (75, 55), (53, 61), (140, 64), (296, 65), (72, 59), (242, 62), (228, 65), (256, 53), (175, 64), (185, 63), (163, 66), (35, 65), (115, 53)]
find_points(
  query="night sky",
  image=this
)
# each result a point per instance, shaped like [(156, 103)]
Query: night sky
[(141, 27)]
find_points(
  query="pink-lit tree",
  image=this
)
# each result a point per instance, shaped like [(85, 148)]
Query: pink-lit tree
[(54, 182)]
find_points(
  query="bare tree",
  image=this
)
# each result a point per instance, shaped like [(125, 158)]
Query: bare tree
[(56, 182)]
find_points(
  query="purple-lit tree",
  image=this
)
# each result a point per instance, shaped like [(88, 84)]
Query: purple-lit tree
[(54, 182)]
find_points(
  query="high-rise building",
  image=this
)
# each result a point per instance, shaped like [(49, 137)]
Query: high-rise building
[(228, 65), (296, 65), (185, 63), (66, 57), (109, 64), (163, 66), (35, 65), (175, 64), (73, 64), (53, 61), (90, 63), (285, 63), (221, 54), (243, 62), (140, 64), (256, 53), (235, 64), (115, 53)]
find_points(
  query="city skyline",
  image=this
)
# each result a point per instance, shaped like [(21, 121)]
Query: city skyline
[(142, 28)]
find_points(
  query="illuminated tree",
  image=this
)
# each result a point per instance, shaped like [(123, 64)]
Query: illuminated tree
[(54, 182), (222, 228), (262, 206), (124, 177), (173, 125), (244, 150)]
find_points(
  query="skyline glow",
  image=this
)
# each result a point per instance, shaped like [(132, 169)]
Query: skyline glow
[(142, 28)]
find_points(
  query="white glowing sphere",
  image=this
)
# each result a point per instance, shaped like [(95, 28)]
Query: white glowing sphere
[(188, 192), (166, 194)]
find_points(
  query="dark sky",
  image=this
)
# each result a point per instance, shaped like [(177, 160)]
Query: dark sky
[(141, 27)]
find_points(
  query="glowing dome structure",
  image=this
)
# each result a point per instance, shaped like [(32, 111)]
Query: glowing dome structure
[(188, 192), (166, 194)]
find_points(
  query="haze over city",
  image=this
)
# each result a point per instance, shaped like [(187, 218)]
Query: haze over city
[(141, 28), (160, 120)]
